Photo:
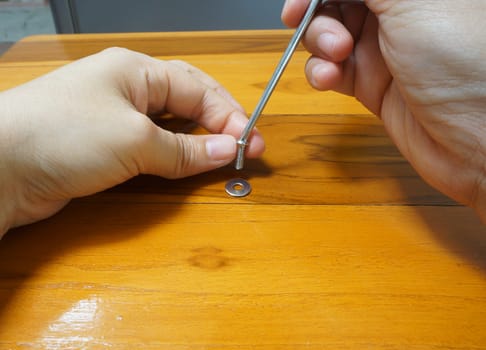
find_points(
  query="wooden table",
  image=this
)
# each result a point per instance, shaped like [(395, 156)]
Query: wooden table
[(340, 245)]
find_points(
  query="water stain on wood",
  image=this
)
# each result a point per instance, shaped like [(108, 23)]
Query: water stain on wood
[(209, 258)]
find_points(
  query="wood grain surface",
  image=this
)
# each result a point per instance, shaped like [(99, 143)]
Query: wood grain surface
[(339, 246)]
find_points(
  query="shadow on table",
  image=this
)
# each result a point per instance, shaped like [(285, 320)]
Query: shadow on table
[(111, 218), (102, 219), (460, 232), (118, 214), (358, 144)]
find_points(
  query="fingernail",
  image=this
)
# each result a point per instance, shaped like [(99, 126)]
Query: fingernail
[(326, 42), (221, 147), (318, 69)]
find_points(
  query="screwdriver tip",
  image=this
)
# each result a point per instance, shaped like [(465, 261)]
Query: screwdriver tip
[(240, 156)]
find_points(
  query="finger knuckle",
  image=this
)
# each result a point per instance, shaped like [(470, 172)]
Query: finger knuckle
[(117, 51), (186, 155)]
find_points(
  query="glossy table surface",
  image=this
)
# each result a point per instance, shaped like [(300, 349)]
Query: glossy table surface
[(339, 246)]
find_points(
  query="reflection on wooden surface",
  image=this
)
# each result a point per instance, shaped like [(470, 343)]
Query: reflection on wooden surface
[(340, 245)]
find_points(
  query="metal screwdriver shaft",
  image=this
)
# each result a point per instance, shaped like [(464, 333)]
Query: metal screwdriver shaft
[(299, 32)]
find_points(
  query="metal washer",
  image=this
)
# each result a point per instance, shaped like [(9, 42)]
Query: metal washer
[(238, 188)]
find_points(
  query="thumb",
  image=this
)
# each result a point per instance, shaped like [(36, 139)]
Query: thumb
[(179, 155)]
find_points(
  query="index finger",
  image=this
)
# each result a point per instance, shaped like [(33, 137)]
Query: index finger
[(176, 89)]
